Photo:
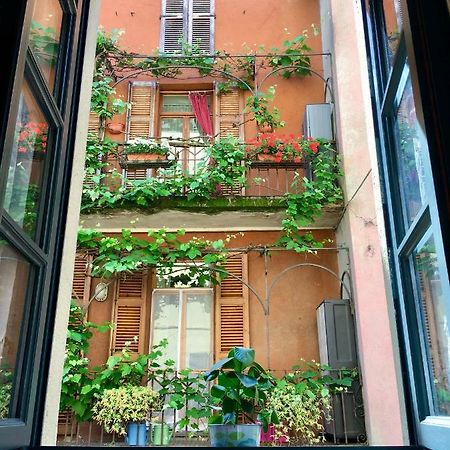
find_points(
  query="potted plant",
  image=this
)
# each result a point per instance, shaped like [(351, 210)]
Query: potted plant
[(258, 104), (277, 148), (147, 150), (125, 411), (239, 395)]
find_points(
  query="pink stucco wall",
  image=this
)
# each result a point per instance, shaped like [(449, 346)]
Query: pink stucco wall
[(362, 230)]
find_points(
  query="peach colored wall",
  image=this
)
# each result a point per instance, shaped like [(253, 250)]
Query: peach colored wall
[(238, 25), (292, 318)]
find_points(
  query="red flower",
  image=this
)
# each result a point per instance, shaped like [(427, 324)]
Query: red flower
[(314, 146), (277, 159), (297, 159), (22, 150), (265, 150)]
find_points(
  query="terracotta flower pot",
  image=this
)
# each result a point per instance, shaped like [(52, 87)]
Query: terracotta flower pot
[(115, 128), (145, 157), (265, 157)]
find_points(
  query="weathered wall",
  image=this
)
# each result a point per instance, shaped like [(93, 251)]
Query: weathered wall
[(292, 318)]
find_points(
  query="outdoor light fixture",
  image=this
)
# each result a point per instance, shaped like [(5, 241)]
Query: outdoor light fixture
[(101, 292)]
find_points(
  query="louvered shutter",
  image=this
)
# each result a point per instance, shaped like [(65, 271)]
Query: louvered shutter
[(201, 25), (81, 284), (229, 114), (94, 123), (129, 312), (232, 317), (173, 25), (141, 96)]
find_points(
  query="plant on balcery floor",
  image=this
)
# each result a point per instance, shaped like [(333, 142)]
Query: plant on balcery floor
[(241, 390), (119, 406), (302, 401)]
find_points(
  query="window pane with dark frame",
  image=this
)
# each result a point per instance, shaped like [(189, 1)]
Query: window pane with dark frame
[(45, 35), (26, 167), (14, 276)]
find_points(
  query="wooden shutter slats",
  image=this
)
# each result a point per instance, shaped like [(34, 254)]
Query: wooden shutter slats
[(173, 7), (141, 113), (129, 312), (201, 33), (232, 316), (229, 115), (94, 123), (81, 284)]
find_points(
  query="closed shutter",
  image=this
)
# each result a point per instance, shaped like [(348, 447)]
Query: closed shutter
[(129, 312), (141, 96), (229, 114), (172, 25), (201, 26), (232, 317), (81, 284), (136, 174)]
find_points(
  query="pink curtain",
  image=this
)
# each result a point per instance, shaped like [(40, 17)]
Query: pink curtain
[(199, 104)]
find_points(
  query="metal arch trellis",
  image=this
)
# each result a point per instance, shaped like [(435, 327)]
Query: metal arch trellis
[(224, 73)]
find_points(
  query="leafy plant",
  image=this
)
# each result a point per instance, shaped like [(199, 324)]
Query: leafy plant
[(242, 388), (302, 400), (6, 379), (140, 145), (44, 43), (292, 58), (258, 105), (117, 407)]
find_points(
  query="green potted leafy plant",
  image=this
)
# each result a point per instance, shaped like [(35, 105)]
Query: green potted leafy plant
[(239, 395), (147, 150), (125, 411)]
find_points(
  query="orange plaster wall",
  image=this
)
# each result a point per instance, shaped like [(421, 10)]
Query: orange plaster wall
[(292, 318), (239, 26)]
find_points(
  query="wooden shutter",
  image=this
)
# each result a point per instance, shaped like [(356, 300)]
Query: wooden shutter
[(129, 312), (136, 174), (232, 317), (173, 25), (201, 25), (81, 284), (94, 123), (229, 114), (141, 96)]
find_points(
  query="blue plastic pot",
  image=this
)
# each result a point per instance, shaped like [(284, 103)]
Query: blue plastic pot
[(136, 433)]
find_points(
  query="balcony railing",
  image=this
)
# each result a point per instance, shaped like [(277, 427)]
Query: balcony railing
[(345, 427)]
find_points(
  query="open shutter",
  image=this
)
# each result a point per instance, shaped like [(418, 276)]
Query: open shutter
[(81, 284), (201, 25), (229, 114), (173, 25), (141, 96), (129, 312), (232, 317)]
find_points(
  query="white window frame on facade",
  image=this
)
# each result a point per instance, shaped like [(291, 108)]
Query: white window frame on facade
[(182, 295), (190, 17)]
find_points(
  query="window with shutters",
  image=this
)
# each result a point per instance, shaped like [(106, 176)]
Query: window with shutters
[(177, 121), (190, 21)]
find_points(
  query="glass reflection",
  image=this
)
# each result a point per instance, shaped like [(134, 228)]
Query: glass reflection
[(14, 272), (393, 21), (436, 314), (27, 163), (45, 36), (411, 147)]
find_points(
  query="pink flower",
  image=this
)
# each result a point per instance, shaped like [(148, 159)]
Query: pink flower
[(22, 150)]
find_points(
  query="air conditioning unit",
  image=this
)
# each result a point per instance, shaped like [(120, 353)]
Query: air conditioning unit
[(318, 121), (337, 347)]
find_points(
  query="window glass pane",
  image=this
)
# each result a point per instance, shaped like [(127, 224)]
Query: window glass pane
[(393, 20), (172, 127), (14, 273), (166, 317), (411, 146), (198, 330), (436, 313), (176, 103), (195, 155), (45, 37), (23, 189)]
